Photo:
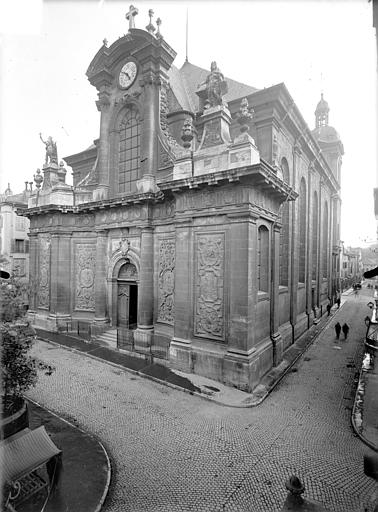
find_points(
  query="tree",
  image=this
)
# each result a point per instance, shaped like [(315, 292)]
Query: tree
[(19, 368)]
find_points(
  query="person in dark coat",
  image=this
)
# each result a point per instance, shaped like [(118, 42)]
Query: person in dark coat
[(345, 330), (328, 309), (338, 330)]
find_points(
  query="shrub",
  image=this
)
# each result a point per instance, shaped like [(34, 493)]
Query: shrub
[(19, 368)]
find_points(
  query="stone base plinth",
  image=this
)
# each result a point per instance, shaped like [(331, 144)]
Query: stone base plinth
[(143, 339), (180, 356), (147, 184), (49, 322)]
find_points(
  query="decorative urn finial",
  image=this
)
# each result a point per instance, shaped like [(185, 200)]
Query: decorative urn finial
[(150, 28), (244, 115), (187, 133), (38, 178), (158, 23)]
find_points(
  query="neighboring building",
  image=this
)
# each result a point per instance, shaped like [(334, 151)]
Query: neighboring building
[(206, 216), (352, 267), (14, 229)]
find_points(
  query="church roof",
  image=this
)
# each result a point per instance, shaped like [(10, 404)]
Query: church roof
[(185, 81), (326, 134)]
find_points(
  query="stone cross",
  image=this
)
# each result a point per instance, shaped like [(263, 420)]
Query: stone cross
[(131, 15)]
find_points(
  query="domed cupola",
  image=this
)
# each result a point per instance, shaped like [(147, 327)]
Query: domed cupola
[(321, 113), (327, 137)]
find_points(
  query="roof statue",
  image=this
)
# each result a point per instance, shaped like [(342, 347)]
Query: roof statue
[(133, 11), (51, 150), (216, 86)]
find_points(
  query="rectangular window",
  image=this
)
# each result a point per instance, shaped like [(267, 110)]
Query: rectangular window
[(19, 245), (20, 223)]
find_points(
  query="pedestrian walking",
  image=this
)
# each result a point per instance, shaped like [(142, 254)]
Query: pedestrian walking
[(328, 309), (338, 301), (338, 330), (345, 329)]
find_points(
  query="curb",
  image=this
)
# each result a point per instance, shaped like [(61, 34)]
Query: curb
[(253, 403), (109, 472)]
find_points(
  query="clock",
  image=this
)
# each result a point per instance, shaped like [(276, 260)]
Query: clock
[(127, 74)]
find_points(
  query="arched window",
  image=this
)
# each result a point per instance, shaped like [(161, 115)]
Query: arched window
[(129, 151), (325, 241), (315, 220), (284, 237), (302, 231), (263, 259)]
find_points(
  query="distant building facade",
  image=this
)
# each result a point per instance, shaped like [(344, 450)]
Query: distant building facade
[(205, 218), (14, 229)]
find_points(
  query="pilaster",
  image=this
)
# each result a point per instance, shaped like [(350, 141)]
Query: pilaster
[(144, 332), (274, 297), (101, 315), (103, 105), (60, 277)]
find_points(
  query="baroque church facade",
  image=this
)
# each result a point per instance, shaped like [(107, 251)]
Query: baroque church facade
[(204, 218)]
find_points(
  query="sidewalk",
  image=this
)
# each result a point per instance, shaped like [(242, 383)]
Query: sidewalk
[(365, 410), (86, 468), (191, 383)]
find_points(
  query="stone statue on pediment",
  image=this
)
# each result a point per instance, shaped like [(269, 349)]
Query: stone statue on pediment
[(216, 86), (51, 150)]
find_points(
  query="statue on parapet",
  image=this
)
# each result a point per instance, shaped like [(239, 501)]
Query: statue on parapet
[(216, 86), (51, 150)]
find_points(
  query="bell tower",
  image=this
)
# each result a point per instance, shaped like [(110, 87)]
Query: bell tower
[(128, 77), (328, 138)]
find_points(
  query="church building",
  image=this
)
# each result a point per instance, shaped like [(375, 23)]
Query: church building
[(204, 220)]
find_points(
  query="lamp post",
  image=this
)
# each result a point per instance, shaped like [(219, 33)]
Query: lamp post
[(371, 340)]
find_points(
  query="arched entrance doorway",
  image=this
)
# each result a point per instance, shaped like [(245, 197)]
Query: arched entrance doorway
[(127, 296)]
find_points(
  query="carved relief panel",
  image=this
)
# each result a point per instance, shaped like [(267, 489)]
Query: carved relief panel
[(166, 284), (209, 286), (44, 273), (85, 265)]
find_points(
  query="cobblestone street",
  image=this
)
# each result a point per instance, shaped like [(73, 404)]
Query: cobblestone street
[(175, 452)]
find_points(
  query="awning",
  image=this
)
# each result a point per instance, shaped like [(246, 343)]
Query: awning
[(27, 451)]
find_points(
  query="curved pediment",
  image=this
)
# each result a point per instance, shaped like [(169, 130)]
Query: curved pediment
[(139, 44)]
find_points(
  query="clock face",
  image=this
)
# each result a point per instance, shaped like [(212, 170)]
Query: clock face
[(127, 74)]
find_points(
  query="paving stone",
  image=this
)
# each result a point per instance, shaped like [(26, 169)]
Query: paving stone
[(176, 452)]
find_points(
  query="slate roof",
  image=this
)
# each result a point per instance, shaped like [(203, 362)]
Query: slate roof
[(185, 81)]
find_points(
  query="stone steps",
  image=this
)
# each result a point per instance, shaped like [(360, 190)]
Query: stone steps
[(107, 338)]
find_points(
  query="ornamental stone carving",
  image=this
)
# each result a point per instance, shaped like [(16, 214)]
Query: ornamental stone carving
[(85, 263), (128, 272), (166, 284), (44, 273), (209, 286)]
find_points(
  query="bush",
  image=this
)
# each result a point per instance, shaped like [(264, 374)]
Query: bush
[(19, 368)]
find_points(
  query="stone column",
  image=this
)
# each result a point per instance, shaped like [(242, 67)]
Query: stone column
[(33, 251), (101, 315), (60, 304), (180, 348), (103, 105), (144, 332), (148, 153)]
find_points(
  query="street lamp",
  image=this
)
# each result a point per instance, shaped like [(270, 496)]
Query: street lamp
[(371, 340)]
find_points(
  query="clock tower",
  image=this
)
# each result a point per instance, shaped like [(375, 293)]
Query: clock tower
[(128, 77)]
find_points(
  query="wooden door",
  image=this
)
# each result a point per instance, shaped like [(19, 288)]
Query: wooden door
[(123, 302)]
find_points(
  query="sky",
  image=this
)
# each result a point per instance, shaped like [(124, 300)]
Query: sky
[(312, 46)]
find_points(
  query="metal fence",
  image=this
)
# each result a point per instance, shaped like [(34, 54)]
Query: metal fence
[(158, 349), (125, 338), (81, 328)]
